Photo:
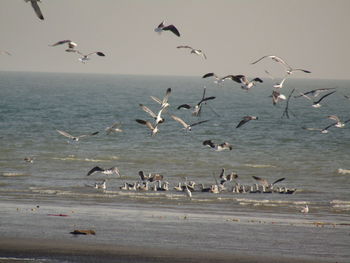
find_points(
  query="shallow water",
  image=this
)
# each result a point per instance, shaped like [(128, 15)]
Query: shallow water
[(34, 105)]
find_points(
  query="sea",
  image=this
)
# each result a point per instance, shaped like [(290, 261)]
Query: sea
[(315, 165)]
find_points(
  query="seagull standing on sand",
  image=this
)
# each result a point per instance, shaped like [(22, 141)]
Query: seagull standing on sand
[(71, 45), (36, 8), (194, 51), (96, 169), (161, 27), (184, 124), (218, 147), (75, 138), (246, 119), (289, 69)]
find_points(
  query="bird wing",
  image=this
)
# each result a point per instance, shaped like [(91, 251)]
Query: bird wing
[(222, 174), (324, 96), (66, 134), (101, 54), (258, 60), (61, 42), (196, 123), (184, 47), (261, 180), (148, 110), (209, 143), (303, 70), (333, 117), (95, 169), (243, 121), (278, 180), (186, 106), (37, 9), (211, 74), (166, 97), (90, 134), (173, 29), (237, 78), (147, 123), (258, 80), (205, 99), (179, 120), (156, 99)]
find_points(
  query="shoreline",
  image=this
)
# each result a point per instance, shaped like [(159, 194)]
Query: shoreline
[(81, 251)]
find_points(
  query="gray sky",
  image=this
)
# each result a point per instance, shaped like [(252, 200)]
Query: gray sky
[(310, 34)]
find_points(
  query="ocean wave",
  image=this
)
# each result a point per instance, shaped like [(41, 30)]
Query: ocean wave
[(14, 174), (340, 205), (80, 159), (260, 165)]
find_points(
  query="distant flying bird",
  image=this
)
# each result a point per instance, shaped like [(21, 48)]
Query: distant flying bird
[(161, 27), (184, 124), (36, 8), (247, 85), (151, 177), (289, 69), (75, 138), (265, 183), (305, 209), (314, 93), (338, 123), (279, 85), (71, 45), (218, 147), (158, 117), (277, 96), (198, 107), (114, 128), (85, 58), (163, 103), (245, 120), (29, 159), (154, 129), (97, 169), (194, 51), (218, 80), (323, 130), (5, 52), (316, 104)]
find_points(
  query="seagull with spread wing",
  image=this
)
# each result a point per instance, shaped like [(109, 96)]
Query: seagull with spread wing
[(85, 58), (245, 119), (163, 103), (71, 45), (36, 8), (218, 147), (247, 85), (161, 27), (194, 51), (97, 169), (184, 124), (75, 138)]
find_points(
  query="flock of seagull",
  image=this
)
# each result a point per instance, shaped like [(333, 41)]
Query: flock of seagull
[(262, 186)]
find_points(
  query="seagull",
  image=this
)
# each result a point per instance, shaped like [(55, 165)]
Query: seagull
[(218, 80), (305, 209), (29, 159), (112, 170), (5, 52), (36, 8), (314, 93), (277, 96), (161, 27), (75, 138), (338, 123), (247, 85), (218, 147), (279, 85), (194, 51), (85, 58), (163, 103), (228, 177), (149, 125), (151, 177), (186, 126), (265, 183), (324, 130), (289, 69), (71, 45), (198, 107), (101, 185), (114, 128), (245, 119), (316, 104), (157, 117)]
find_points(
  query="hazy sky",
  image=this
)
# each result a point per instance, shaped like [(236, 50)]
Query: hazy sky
[(310, 34)]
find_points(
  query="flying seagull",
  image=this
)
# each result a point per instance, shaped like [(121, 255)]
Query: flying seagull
[(227, 177), (218, 147), (314, 93), (114, 128), (75, 138), (194, 51), (154, 129), (245, 120), (186, 126), (36, 8), (5, 52), (161, 27), (338, 123), (279, 85), (277, 96), (85, 58), (163, 103), (247, 85), (158, 118), (71, 45), (265, 183), (289, 69), (316, 104), (324, 130), (218, 80), (198, 107), (96, 169), (151, 177)]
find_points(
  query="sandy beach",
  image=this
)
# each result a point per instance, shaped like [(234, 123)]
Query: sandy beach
[(152, 235)]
